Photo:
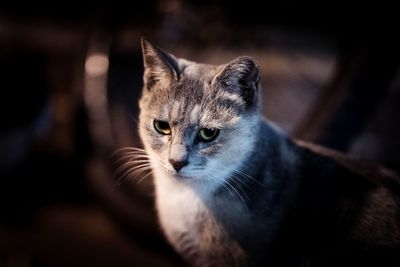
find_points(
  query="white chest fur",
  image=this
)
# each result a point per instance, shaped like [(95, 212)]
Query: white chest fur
[(191, 228), (178, 207), (189, 223)]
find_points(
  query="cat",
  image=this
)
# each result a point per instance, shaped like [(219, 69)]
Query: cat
[(232, 190)]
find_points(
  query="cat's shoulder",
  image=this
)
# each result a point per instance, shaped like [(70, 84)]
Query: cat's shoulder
[(374, 172), (358, 191), (357, 165)]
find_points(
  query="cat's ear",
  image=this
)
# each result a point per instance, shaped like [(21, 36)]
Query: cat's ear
[(159, 66), (240, 76)]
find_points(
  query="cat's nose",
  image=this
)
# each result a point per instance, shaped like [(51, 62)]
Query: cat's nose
[(178, 164)]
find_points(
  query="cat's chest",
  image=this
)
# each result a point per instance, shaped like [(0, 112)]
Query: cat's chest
[(179, 208), (192, 227)]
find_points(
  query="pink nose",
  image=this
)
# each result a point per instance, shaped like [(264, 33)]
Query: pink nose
[(178, 164)]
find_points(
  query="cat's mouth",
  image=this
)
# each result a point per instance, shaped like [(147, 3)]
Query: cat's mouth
[(187, 172), (179, 175), (194, 172), (182, 176)]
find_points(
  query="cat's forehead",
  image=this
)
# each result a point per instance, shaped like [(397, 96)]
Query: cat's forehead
[(197, 103), (197, 71), (195, 100)]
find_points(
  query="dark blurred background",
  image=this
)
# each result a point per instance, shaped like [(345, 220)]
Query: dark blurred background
[(71, 75)]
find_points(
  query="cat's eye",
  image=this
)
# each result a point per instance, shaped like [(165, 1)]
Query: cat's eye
[(208, 134), (162, 127)]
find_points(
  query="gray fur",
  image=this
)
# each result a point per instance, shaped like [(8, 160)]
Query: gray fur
[(230, 205)]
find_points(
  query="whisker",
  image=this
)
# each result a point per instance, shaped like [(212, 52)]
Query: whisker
[(235, 180), (248, 176), (132, 148), (131, 159), (132, 153), (135, 175), (130, 164), (223, 184), (239, 178), (237, 192), (126, 171), (144, 155), (133, 162), (134, 171), (144, 177), (124, 149), (226, 182)]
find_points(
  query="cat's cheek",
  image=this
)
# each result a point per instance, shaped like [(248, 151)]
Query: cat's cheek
[(211, 151), (199, 162), (158, 143)]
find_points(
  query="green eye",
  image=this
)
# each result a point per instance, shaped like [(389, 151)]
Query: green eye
[(162, 127), (208, 134)]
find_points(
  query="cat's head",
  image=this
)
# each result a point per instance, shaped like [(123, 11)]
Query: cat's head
[(198, 122)]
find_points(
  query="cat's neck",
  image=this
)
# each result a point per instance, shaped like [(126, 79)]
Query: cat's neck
[(274, 155)]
